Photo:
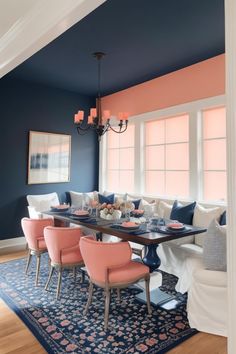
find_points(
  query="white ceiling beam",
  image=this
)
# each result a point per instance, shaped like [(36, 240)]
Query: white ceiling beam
[(45, 21)]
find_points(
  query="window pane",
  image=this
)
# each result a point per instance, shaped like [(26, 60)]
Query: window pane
[(126, 181), (127, 159), (214, 123), (177, 183), (155, 182), (113, 159), (155, 132), (113, 140), (112, 180), (177, 157), (127, 138), (215, 154), (215, 186), (155, 158), (177, 129)]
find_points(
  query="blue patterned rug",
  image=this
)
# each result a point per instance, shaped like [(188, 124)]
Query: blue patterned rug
[(61, 327)]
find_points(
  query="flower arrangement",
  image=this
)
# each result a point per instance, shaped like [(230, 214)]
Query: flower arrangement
[(110, 211)]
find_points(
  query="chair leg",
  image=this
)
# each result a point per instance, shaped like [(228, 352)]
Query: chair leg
[(118, 294), (37, 270), (49, 277), (89, 298), (59, 282), (82, 276), (147, 282), (74, 274), (107, 306), (28, 262)]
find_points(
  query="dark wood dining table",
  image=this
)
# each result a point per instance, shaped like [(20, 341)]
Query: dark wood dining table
[(149, 239)]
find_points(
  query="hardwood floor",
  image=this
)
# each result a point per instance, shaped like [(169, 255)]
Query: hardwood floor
[(15, 338)]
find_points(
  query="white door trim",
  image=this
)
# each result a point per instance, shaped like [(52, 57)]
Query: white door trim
[(230, 17)]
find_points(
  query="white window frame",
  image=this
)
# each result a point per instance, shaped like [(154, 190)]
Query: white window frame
[(194, 110)]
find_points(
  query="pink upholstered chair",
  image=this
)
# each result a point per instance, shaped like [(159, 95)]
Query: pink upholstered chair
[(109, 265), (64, 251), (33, 231)]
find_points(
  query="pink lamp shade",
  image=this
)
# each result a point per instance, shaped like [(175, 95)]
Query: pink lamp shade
[(79, 117), (126, 115), (93, 112), (120, 116), (106, 114), (90, 120)]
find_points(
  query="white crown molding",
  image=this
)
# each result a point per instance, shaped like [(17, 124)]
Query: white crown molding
[(44, 22)]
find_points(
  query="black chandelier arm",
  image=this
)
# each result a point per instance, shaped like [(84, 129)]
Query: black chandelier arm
[(81, 130), (121, 126)]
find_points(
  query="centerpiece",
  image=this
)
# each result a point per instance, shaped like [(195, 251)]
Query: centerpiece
[(110, 211)]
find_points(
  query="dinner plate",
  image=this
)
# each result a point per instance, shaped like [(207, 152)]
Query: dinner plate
[(79, 217), (60, 208), (129, 226), (176, 228)]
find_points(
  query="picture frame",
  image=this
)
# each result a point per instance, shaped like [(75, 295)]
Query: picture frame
[(49, 157)]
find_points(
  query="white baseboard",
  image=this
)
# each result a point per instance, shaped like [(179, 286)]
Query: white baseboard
[(12, 245)]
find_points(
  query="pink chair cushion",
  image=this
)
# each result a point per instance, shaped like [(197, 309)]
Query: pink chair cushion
[(71, 255), (100, 256), (128, 273), (33, 230), (63, 244), (41, 243)]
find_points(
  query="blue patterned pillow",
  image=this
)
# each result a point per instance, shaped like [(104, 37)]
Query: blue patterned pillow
[(183, 213), (108, 199), (223, 218), (135, 202)]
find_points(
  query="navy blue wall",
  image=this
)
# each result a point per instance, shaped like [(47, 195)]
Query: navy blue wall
[(23, 107)]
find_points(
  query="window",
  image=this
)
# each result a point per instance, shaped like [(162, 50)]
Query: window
[(177, 152), (167, 156), (120, 160), (214, 154)]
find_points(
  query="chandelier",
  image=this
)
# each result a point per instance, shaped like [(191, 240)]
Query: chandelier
[(99, 120)]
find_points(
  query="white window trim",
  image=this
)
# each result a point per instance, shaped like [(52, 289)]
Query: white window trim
[(194, 110)]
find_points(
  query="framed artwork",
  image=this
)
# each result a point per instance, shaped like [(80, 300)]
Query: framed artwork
[(49, 158)]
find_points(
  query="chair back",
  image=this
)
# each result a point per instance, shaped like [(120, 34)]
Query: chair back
[(33, 230), (99, 256), (60, 238), (41, 202)]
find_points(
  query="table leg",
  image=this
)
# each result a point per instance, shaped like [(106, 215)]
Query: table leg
[(152, 260)]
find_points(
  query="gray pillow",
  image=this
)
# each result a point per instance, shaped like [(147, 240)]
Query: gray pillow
[(214, 247)]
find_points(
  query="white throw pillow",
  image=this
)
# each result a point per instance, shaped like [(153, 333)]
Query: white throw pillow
[(214, 247), (164, 209), (90, 197), (202, 217), (43, 202), (77, 199), (149, 208)]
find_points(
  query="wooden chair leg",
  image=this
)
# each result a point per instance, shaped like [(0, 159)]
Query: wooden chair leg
[(107, 306), (28, 262), (49, 277), (147, 282), (89, 298), (59, 283), (74, 273), (82, 276), (118, 294), (37, 270)]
